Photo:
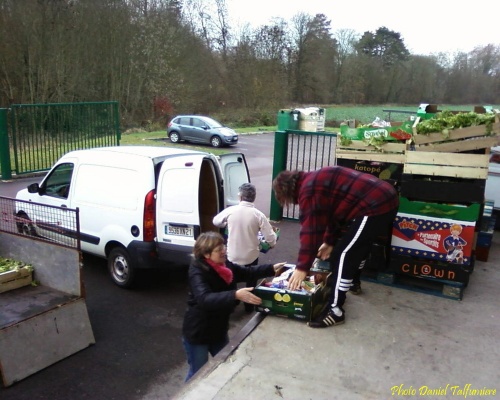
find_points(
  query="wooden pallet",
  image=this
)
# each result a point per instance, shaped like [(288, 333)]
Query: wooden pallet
[(15, 279), (435, 287)]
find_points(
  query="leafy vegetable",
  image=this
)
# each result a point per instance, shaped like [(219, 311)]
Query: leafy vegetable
[(446, 120), (376, 141), (345, 141), (7, 264)]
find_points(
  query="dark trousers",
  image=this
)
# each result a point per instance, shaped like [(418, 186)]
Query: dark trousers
[(350, 253), (197, 354)]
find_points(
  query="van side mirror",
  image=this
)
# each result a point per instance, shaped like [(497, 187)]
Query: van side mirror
[(33, 188)]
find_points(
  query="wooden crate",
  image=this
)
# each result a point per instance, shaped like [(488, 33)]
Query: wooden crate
[(458, 140), (15, 279), (470, 166), (359, 150)]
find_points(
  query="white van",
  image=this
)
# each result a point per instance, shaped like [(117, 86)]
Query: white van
[(139, 206)]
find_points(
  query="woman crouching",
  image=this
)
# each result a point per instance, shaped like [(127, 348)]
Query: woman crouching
[(212, 297)]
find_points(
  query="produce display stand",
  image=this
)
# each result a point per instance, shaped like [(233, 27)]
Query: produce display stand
[(41, 325), (437, 168)]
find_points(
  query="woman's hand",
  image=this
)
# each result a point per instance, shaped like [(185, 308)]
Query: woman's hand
[(246, 295), (295, 281), (324, 251)]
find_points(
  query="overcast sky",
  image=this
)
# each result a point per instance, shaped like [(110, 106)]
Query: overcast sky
[(425, 26)]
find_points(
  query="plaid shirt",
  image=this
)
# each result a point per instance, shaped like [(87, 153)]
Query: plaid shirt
[(331, 197)]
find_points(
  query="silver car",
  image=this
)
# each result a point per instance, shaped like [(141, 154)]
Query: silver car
[(200, 129)]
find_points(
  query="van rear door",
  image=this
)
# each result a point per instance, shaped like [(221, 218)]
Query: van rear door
[(235, 171), (191, 190), (177, 205)]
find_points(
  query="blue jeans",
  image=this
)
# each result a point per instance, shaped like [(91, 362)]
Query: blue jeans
[(197, 354)]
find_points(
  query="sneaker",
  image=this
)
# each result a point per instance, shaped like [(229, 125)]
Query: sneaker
[(355, 288), (328, 318)]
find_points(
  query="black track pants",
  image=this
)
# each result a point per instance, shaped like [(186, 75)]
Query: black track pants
[(352, 250)]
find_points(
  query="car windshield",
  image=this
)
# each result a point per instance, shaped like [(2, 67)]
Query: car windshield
[(213, 123)]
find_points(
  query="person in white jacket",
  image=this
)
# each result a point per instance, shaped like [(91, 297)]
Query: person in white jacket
[(243, 222)]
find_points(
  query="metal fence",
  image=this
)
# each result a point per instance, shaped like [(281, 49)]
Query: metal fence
[(41, 222), (39, 134), (303, 151)]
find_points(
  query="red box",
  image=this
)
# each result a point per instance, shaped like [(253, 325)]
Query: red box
[(429, 238)]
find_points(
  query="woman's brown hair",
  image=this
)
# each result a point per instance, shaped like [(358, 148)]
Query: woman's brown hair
[(285, 187), (206, 243)]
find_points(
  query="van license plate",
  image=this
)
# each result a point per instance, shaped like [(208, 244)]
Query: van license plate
[(179, 231)]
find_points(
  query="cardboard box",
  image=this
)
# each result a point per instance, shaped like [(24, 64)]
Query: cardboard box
[(389, 172), (417, 236), (301, 305), (368, 132), (424, 230), (429, 269), (442, 189)]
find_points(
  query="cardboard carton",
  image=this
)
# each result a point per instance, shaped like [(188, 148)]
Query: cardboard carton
[(302, 305)]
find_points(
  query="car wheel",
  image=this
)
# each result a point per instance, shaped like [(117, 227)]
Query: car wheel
[(215, 141), (120, 267), (174, 137), (24, 224)]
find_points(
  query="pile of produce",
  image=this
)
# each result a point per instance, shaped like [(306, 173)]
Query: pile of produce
[(447, 120), (7, 264)]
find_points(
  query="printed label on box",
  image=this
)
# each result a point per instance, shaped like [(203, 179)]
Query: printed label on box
[(429, 269), (433, 238)]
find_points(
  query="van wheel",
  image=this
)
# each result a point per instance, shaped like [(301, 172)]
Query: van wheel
[(174, 137), (215, 141), (120, 267), (24, 224)]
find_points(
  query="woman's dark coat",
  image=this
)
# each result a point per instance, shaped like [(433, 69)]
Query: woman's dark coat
[(211, 300)]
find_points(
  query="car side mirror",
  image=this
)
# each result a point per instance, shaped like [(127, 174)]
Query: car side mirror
[(33, 188)]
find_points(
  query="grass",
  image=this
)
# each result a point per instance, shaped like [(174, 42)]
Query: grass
[(159, 139)]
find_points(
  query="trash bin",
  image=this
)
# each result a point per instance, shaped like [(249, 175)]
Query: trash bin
[(288, 120), (427, 111), (294, 120), (321, 119), (284, 119), (308, 119)]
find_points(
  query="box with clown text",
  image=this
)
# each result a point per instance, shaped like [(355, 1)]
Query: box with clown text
[(434, 231)]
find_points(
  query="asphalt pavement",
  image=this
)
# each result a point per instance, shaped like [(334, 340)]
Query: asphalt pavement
[(395, 343)]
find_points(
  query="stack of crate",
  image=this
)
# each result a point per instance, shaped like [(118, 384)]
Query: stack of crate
[(441, 208), (441, 180)]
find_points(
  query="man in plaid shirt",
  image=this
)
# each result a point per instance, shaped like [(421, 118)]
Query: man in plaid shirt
[(334, 200)]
